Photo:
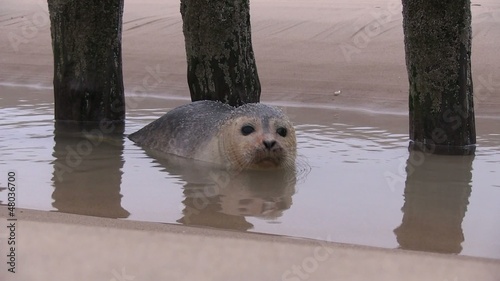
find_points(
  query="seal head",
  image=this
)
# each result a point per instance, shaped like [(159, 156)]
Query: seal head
[(258, 136)]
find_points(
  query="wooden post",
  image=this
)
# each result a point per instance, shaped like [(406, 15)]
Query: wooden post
[(438, 59), (220, 58), (86, 42)]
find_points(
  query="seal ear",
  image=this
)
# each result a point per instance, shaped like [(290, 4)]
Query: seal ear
[(247, 130)]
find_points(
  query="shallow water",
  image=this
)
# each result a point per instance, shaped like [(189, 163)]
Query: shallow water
[(356, 181)]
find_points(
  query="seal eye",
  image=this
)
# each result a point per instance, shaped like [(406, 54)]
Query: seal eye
[(247, 130), (281, 131)]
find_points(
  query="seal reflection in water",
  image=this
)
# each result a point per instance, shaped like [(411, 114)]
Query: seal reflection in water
[(252, 136)]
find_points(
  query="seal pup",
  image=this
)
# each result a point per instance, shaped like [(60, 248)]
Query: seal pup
[(252, 136)]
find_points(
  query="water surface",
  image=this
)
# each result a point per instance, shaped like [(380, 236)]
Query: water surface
[(356, 181)]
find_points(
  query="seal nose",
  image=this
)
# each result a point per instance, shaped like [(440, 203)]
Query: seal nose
[(269, 143)]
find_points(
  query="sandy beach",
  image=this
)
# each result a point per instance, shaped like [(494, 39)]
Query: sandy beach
[(305, 51), (64, 246), (345, 56)]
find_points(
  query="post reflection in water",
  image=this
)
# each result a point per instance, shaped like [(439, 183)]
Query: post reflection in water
[(437, 193), (223, 198), (87, 171)]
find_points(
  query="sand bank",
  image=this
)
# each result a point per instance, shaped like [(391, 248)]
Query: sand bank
[(55, 246), (343, 53)]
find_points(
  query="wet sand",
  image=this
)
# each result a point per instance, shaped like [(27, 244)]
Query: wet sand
[(306, 51), (63, 246)]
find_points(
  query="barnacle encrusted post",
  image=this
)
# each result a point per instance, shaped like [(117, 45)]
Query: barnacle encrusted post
[(220, 58), (86, 43), (437, 38)]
